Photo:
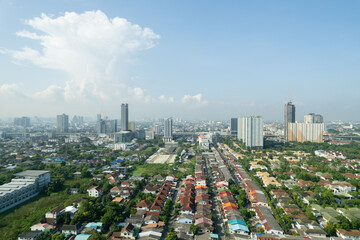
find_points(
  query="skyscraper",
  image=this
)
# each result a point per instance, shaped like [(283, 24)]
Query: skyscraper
[(234, 127), (62, 123), (289, 117), (250, 131), (124, 117), (168, 129)]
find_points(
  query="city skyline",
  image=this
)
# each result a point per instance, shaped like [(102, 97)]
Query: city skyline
[(246, 61)]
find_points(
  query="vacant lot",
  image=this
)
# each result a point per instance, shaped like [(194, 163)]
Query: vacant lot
[(21, 218), (151, 169)]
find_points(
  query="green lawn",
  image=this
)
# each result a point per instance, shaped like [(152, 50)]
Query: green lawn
[(151, 169), (22, 217)]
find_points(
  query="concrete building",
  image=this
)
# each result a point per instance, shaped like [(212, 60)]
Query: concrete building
[(313, 118), (24, 186), (123, 136), (250, 131), (234, 127), (306, 132), (124, 117), (62, 124), (132, 126), (23, 122), (168, 129), (105, 126), (289, 117)]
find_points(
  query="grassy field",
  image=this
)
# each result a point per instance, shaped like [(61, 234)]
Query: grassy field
[(22, 217), (151, 169)]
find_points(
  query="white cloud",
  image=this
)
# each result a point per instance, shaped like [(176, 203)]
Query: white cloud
[(85, 46), (9, 89), (96, 53), (194, 100)]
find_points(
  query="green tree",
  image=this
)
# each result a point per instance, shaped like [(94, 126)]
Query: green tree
[(171, 236), (194, 228)]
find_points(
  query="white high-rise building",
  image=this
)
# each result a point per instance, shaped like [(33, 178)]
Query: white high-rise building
[(62, 125), (168, 129), (250, 131), (306, 132)]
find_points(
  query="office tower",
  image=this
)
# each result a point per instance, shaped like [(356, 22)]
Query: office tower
[(100, 126), (234, 127), (250, 131), (289, 117), (168, 129), (23, 122), (124, 117), (313, 118), (112, 126), (98, 117), (306, 132), (132, 126), (106, 126), (62, 123)]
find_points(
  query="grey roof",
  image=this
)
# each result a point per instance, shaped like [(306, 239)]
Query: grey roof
[(152, 217), (31, 173), (69, 228), (30, 234), (270, 218), (315, 231)]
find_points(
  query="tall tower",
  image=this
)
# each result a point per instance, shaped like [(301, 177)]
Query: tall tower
[(124, 117), (62, 123), (168, 129), (234, 127), (289, 117), (250, 131)]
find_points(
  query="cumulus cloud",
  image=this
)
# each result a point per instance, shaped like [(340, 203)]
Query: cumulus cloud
[(95, 52), (85, 46), (194, 100)]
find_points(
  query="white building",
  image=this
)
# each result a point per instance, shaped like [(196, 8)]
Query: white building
[(24, 186), (95, 191), (204, 142), (250, 131), (306, 132), (168, 130)]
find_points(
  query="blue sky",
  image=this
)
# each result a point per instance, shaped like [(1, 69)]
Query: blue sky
[(199, 60)]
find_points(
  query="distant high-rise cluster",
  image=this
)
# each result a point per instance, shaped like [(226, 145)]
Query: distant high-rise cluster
[(311, 130), (168, 129), (289, 117), (124, 117), (62, 125), (250, 131), (77, 120), (106, 126), (23, 122)]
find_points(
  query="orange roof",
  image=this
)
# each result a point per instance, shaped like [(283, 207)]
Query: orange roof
[(228, 204), (201, 186), (118, 199)]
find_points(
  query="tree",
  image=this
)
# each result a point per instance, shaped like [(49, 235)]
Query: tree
[(172, 236), (194, 228), (330, 229)]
